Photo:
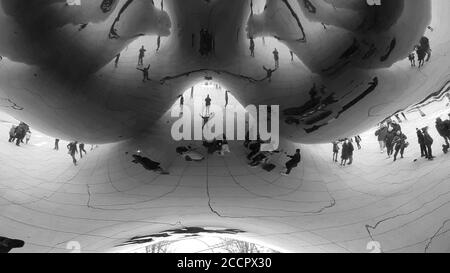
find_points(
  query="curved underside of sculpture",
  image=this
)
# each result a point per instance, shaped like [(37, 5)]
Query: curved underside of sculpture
[(69, 70)]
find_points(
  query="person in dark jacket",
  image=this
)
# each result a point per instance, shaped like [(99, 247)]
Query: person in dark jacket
[(428, 141), (421, 140), (389, 141), (399, 143), (443, 130), (335, 151), (350, 148), (381, 134), (346, 151), (293, 162), (72, 147)]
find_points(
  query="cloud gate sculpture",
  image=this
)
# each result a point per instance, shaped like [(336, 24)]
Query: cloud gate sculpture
[(112, 73)]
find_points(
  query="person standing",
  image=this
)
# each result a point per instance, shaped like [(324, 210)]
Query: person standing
[(350, 152), (252, 47), (335, 151), (345, 152), (428, 141), (421, 141), (443, 130), (293, 162), (207, 104), (72, 147), (381, 133), (399, 143), (145, 73), (141, 56), (226, 98), (358, 142), (276, 57), (81, 146), (56, 148)]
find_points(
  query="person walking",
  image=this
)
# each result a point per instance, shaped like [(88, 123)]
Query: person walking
[(292, 163), (428, 141), (81, 147), (72, 147), (389, 141), (399, 143), (381, 133), (56, 148)]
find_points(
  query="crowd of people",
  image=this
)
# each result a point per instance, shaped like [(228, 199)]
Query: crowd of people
[(394, 141), (19, 133)]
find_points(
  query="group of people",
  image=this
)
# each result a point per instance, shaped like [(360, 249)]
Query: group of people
[(391, 138), (257, 157), (75, 148), (423, 52), (346, 151), (19, 133)]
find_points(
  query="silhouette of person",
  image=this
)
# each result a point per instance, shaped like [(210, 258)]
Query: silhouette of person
[(158, 43), (141, 56), (81, 148), (252, 47), (269, 73), (412, 59), (226, 98), (56, 148), (293, 162), (72, 147), (116, 61), (145, 73), (276, 58), (292, 55), (207, 104)]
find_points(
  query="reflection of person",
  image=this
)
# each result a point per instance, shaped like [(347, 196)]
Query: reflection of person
[(207, 104), (269, 72), (141, 56), (293, 162), (145, 73)]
